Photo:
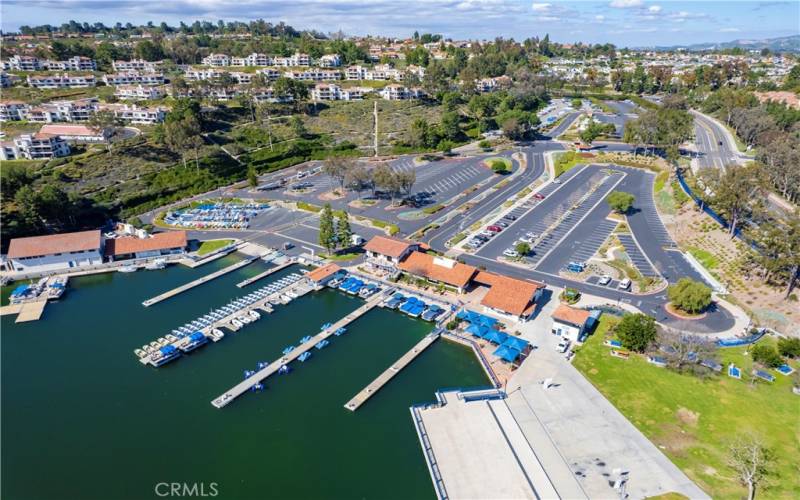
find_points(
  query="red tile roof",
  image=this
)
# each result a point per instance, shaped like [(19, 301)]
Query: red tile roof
[(160, 241), (391, 247), (323, 272), (54, 243), (570, 315), (509, 295), (69, 130), (439, 269)]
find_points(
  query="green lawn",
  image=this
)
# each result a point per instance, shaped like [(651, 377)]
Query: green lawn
[(706, 258), (694, 421), (212, 245), (565, 161)]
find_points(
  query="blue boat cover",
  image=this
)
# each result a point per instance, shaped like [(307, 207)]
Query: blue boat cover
[(197, 336), (496, 337), (506, 353), (167, 349)]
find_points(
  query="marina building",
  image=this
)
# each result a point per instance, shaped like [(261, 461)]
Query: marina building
[(571, 323), (56, 252), (437, 269), (131, 247), (322, 275), (510, 298), (387, 252)]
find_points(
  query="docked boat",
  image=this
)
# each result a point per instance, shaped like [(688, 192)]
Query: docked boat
[(326, 326), (57, 287), (127, 269), (244, 319), (164, 355), (284, 369), (139, 353), (194, 341), (304, 356), (156, 265), (322, 344), (289, 349), (340, 331), (216, 334), (257, 387), (305, 339), (235, 322), (254, 315)]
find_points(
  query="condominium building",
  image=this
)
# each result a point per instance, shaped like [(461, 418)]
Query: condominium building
[(396, 92), (137, 114), (316, 75), (63, 111), (137, 65), (491, 84), (23, 63), (13, 110), (332, 92), (330, 61), (253, 59), (270, 73), (297, 59), (139, 92), (35, 147), (216, 60), (76, 63), (268, 95), (61, 81), (134, 78)]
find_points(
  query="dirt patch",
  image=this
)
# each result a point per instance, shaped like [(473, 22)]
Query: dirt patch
[(676, 441), (331, 195), (687, 416), (593, 371)]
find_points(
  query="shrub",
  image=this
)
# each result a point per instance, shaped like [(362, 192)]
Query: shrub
[(523, 248), (766, 355), (689, 295), (636, 331), (789, 347), (620, 201), (484, 144)]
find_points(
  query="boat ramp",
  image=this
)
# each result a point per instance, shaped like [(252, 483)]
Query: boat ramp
[(276, 365), (205, 279), (393, 370)]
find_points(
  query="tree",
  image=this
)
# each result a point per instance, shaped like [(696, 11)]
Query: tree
[(338, 168), (752, 462), (360, 178), (636, 331), (766, 354), (450, 125), (406, 180), (620, 201), (252, 176), (522, 248), (683, 352), (104, 120), (343, 231), (734, 192), (297, 126), (789, 347), (689, 295), (148, 51), (327, 234)]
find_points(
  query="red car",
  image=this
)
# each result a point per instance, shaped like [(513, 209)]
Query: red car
[(538, 196), (494, 229)]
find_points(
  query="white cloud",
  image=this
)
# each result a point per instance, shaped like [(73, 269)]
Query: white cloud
[(547, 19), (625, 4), (655, 9), (600, 17), (541, 7), (729, 30)]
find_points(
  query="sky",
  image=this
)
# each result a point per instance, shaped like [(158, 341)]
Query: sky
[(632, 23)]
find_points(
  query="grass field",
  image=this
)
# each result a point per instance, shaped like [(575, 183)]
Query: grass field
[(211, 245), (693, 421), (706, 258)]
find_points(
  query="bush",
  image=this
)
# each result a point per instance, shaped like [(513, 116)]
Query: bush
[(766, 355), (689, 295), (484, 144), (636, 331), (523, 248), (789, 347), (452, 324)]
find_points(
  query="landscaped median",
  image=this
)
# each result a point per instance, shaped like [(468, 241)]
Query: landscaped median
[(209, 246), (498, 164), (390, 228), (695, 419)]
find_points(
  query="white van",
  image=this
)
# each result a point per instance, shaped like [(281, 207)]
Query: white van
[(624, 284)]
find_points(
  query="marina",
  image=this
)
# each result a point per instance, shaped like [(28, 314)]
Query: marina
[(268, 272), (393, 370), (149, 403), (233, 316), (205, 279), (290, 354)]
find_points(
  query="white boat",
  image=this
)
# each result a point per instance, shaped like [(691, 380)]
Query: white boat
[(216, 334), (254, 315), (139, 353), (244, 319), (127, 269), (235, 322), (156, 264)]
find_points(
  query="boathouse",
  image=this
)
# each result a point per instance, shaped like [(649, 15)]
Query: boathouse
[(435, 269), (321, 275), (510, 298), (385, 252), (159, 244), (571, 323), (56, 252)]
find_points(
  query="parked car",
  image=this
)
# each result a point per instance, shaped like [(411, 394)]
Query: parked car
[(531, 235), (510, 252), (538, 196), (494, 229), (526, 239), (604, 280), (563, 345), (502, 224), (624, 284), (510, 217)]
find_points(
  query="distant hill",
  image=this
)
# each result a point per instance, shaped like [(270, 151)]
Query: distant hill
[(780, 44)]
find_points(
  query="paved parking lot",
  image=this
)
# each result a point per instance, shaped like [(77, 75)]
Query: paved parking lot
[(638, 259)]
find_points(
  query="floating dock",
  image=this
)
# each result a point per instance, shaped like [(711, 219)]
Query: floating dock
[(393, 370), (273, 367), (266, 273), (199, 281), (25, 311)]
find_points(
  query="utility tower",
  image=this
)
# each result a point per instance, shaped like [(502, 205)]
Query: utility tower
[(375, 113)]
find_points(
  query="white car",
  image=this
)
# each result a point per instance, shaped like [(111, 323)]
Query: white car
[(604, 280), (563, 345), (624, 284), (531, 235), (508, 252), (526, 239)]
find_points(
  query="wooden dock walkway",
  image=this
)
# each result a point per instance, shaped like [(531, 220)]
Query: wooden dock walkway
[(273, 367), (390, 372), (31, 311), (266, 273), (205, 279)]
